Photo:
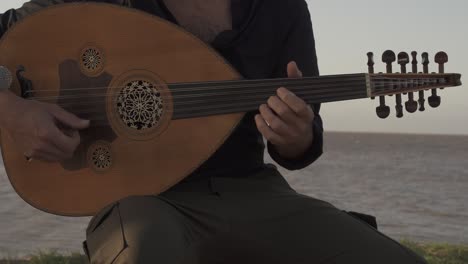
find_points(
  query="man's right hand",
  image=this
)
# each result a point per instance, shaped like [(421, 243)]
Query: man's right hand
[(43, 131)]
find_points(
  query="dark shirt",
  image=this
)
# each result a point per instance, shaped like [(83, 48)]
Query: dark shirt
[(265, 36)]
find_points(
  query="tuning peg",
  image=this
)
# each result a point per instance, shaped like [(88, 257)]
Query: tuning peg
[(434, 99), (403, 60), (370, 62), (425, 63), (440, 58), (370, 65), (389, 57), (414, 62), (421, 101), (399, 106), (383, 111), (411, 105)]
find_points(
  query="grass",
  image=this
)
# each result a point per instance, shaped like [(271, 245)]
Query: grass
[(432, 252), (49, 258), (440, 253)]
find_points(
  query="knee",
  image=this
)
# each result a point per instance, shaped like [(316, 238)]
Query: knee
[(140, 230), (147, 219)]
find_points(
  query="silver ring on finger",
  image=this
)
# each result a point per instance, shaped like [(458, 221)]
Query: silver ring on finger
[(28, 158)]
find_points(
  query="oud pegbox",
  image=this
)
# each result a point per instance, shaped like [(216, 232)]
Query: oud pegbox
[(390, 83)]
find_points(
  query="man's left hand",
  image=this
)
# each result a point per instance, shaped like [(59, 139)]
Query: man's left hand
[(286, 120)]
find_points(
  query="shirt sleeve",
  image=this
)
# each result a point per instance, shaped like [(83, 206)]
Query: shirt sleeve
[(300, 47), (11, 16)]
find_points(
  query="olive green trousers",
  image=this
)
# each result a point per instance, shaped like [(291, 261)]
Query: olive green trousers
[(258, 219)]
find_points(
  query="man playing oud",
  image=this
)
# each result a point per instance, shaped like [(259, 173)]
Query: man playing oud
[(234, 205)]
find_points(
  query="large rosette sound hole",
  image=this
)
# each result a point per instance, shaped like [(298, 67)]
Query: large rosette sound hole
[(140, 105)]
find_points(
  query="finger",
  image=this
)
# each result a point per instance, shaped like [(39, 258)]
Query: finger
[(267, 132), (53, 152), (46, 156), (66, 144), (298, 106), (42, 156), (69, 119), (282, 110), (273, 121), (293, 70)]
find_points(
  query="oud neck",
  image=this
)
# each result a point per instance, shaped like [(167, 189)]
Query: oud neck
[(237, 96)]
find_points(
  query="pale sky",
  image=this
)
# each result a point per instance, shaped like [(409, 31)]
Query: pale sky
[(346, 30)]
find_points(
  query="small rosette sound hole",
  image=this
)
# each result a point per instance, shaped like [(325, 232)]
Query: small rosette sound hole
[(91, 59), (100, 156), (140, 105)]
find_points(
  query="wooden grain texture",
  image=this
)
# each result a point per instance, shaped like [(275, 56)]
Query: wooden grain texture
[(130, 40)]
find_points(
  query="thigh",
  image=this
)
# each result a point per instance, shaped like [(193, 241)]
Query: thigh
[(305, 229), (144, 229)]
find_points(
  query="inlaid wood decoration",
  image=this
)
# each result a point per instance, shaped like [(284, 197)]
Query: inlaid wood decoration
[(160, 101)]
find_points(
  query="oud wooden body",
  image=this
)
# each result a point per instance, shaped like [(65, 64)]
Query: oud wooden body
[(132, 44)]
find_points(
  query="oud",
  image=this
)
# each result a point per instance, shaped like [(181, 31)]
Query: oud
[(160, 101)]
